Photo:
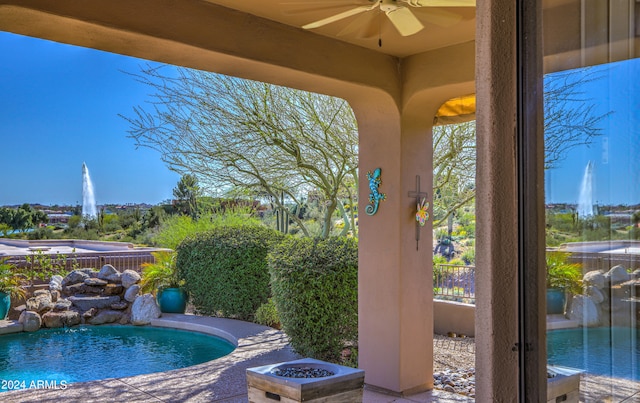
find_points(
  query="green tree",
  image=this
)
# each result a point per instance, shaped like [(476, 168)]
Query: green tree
[(186, 193), (254, 137)]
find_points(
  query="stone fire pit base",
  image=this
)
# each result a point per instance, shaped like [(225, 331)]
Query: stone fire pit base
[(345, 385)]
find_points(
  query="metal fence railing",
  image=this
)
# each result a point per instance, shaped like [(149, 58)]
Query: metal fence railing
[(121, 261), (454, 282)]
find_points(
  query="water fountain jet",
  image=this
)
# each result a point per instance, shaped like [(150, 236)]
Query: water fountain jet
[(88, 198), (585, 201)]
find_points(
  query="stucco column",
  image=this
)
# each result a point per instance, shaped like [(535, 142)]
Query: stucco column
[(496, 203), (395, 283)]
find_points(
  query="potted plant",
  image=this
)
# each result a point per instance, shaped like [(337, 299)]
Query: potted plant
[(160, 278), (563, 278), (10, 286)]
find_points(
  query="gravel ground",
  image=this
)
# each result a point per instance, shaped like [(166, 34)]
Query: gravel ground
[(453, 353)]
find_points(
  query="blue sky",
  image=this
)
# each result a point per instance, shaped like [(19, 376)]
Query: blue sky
[(59, 107), (616, 153)]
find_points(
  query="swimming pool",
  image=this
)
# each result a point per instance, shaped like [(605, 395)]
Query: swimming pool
[(54, 358), (608, 351)]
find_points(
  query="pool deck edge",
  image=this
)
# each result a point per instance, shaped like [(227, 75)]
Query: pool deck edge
[(223, 379)]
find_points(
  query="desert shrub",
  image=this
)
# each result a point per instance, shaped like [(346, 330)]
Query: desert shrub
[(315, 288), (225, 269), (176, 228), (267, 314)]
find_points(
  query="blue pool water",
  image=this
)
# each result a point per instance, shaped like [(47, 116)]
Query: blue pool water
[(612, 352), (54, 358)]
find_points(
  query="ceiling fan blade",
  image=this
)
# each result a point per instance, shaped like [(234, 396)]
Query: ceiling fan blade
[(339, 17), (302, 7), (404, 21), (364, 26), (439, 17), (441, 3)]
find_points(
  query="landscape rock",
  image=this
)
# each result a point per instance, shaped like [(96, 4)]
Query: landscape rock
[(126, 318), (61, 305), (120, 306), (61, 319), (95, 282), (55, 295), (74, 277), (55, 284), (109, 273), (594, 278), (90, 313), (617, 275), (144, 309), (40, 303), (84, 302), (132, 292), (30, 320), (91, 272), (584, 311), (113, 289), (596, 294), (129, 278), (107, 316)]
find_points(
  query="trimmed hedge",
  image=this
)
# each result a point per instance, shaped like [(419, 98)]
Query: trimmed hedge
[(315, 288), (225, 269)]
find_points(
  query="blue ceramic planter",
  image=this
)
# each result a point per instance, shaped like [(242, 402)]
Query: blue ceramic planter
[(5, 305), (172, 300), (555, 301)]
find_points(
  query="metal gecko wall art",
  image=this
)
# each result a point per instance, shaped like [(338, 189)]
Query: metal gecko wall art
[(374, 196)]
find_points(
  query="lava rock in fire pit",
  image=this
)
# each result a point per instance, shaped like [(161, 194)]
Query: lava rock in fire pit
[(302, 372)]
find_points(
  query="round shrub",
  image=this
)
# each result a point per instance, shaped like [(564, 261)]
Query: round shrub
[(225, 269), (267, 314), (315, 288)]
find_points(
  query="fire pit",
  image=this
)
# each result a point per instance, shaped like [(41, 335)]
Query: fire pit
[(306, 380)]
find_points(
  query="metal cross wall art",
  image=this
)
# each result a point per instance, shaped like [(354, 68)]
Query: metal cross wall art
[(422, 214), (374, 196)]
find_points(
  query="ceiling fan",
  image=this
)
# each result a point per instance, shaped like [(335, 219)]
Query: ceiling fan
[(400, 14)]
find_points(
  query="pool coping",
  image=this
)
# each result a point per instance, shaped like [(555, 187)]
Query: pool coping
[(221, 380)]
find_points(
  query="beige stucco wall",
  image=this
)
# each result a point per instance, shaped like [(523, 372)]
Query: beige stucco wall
[(455, 317)]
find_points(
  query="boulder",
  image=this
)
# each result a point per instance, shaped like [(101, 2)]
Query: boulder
[(90, 313), (129, 278), (144, 309), (132, 292), (596, 294), (82, 288), (594, 278), (617, 275), (61, 319), (584, 311), (113, 289), (55, 295), (55, 284), (107, 316), (95, 282), (109, 273), (74, 277), (30, 320), (120, 306), (40, 303), (126, 318), (61, 305), (86, 302), (91, 272)]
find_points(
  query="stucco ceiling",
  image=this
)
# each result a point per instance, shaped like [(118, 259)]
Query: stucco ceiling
[(443, 26)]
